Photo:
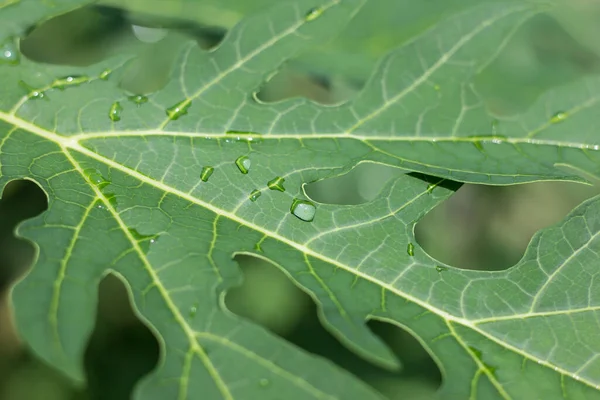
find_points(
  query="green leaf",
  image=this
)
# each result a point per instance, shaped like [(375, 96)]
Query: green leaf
[(129, 194)]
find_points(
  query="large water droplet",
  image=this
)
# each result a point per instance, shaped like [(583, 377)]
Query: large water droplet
[(255, 194), (206, 173), (243, 163), (264, 382), (105, 74), (410, 249), (138, 99), (276, 184), (193, 310), (9, 52), (558, 117), (95, 178), (115, 111), (179, 109), (71, 80), (313, 14), (32, 92), (303, 209), (147, 34)]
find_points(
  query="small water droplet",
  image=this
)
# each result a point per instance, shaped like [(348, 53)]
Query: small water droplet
[(9, 52), (206, 173), (138, 99), (430, 187), (313, 14), (32, 92), (179, 109), (193, 310), (115, 111), (95, 178), (71, 80), (410, 249), (264, 382), (105, 74), (558, 117), (439, 268), (276, 184), (255, 194), (243, 163), (303, 209)]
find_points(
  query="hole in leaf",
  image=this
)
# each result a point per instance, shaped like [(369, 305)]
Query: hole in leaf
[(489, 227), (293, 81), (268, 297), (80, 37), (121, 349), (21, 199), (359, 185)]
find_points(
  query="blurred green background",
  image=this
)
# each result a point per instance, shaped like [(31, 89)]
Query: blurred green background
[(480, 227)]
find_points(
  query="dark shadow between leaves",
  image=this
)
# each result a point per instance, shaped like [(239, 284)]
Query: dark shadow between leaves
[(292, 82), (121, 349), (269, 298), (489, 227)]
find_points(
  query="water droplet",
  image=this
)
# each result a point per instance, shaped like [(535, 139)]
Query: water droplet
[(410, 249), (32, 92), (206, 173), (439, 268), (558, 117), (105, 74), (138, 99), (9, 52), (430, 187), (95, 178), (193, 310), (276, 184), (148, 34), (255, 194), (243, 163), (313, 14), (71, 80), (179, 109), (115, 111), (264, 382), (303, 209)]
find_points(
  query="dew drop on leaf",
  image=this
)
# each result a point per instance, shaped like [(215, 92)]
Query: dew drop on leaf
[(71, 80), (313, 14), (264, 382), (430, 187), (303, 209), (115, 111), (243, 163), (255, 194), (558, 117), (9, 53), (276, 184), (32, 92), (105, 74), (179, 109), (138, 99), (410, 249), (95, 178), (193, 311), (206, 173), (439, 268)]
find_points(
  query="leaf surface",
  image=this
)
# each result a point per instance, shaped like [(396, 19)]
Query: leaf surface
[(129, 193)]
